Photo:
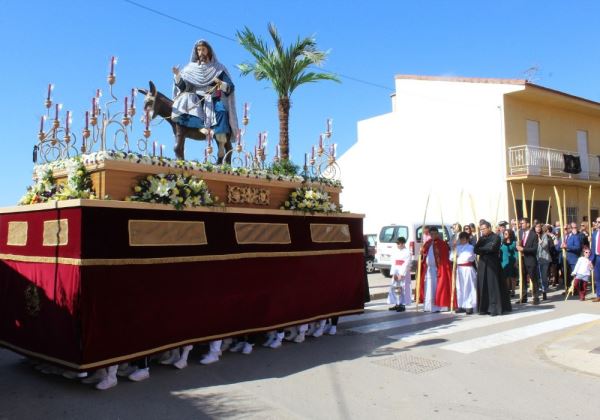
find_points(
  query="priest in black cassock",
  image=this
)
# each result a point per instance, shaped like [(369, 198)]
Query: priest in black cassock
[(492, 296)]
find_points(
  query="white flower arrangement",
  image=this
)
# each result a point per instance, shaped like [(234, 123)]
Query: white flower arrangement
[(175, 189), (310, 200)]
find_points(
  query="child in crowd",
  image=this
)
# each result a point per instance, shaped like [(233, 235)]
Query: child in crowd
[(399, 294), (582, 272)]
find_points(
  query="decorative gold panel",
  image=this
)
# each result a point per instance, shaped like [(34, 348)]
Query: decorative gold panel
[(329, 232), (248, 195), (166, 233), (17, 234), (56, 232), (262, 233)]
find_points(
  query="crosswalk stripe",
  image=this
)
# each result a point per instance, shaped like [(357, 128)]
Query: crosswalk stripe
[(464, 324), (403, 322), (518, 334)]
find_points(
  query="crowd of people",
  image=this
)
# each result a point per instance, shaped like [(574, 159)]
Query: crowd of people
[(483, 261), (489, 263)]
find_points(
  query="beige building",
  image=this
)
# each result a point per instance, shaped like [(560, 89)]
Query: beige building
[(463, 141)]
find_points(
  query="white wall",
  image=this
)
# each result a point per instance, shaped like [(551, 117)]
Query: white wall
[(442, 137)]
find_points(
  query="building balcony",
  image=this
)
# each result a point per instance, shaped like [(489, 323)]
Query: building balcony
[(543, 162)]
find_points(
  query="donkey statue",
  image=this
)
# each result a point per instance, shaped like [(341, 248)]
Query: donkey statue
[(161, 105)]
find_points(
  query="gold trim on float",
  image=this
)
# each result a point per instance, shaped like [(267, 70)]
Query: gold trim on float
[(166, 233), (329, 232), (139, 354), (262, 233), (172, 260), (56, 232), (115, 204), (17, 233)]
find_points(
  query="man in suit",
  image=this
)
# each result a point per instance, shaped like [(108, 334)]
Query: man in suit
[(596, 258), (528, 247), (573, 245)]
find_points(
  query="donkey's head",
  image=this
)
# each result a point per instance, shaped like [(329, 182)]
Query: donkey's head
[(150, 99)]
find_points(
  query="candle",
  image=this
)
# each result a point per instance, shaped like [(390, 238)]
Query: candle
[(245, 108), (67, 123), (133, 93), (305, 159), (239, 138), (153, 148), (331, 150), (147, 119), (321, 141), (259, 140), (125, 112), (334, 149), (98, 93), (162, 147), (277, 151), (87, 119), (209, 137), (329, 122), (49, 90), (56, 107), (42, 124), (93, 107), (112, 65), (312, 152)]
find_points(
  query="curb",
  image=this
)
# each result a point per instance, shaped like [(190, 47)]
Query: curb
[(379, 295)]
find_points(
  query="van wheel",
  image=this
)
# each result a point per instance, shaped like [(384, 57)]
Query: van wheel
[(386, 273), (370, 266)]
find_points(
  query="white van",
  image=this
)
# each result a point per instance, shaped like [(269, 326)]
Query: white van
[(412, 232)]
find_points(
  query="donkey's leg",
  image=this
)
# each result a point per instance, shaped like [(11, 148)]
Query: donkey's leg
[(179, 142), (221, 141)]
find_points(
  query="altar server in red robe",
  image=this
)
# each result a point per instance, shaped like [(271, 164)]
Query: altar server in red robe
[(436, 273)]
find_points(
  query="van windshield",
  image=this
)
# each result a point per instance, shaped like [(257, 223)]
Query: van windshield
[(392, 233)]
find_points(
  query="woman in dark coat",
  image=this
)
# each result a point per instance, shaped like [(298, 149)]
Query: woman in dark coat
[(492, 294)]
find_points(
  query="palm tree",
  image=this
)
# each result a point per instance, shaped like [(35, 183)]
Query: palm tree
[(286, 68)]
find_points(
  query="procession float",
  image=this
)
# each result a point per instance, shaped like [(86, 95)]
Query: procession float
[(117, 251)]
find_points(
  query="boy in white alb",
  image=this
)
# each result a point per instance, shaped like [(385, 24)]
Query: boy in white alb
[(399, 294), (466, 275)]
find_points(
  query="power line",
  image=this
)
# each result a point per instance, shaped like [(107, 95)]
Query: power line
[(235, 40)]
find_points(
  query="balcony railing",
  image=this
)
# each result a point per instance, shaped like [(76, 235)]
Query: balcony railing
[(543, 161)]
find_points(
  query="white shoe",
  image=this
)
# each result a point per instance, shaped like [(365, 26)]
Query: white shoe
[(318, 332), (237, 347), (181, 363), (311, 329), (172, 358), (299, 338), (332, 330), (226, 344), (210, 358), (107, 383), (140, 375), (97, 376), (125, 370), (327, 328), (293, 332), (247, 348), (275, 344), (71, 374)]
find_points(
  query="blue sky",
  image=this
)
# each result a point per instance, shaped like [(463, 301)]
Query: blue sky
[(69, 44)]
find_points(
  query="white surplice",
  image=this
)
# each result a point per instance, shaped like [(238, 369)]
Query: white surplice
[(466, 277)]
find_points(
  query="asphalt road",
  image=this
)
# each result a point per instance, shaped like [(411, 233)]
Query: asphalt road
[(537, 363)]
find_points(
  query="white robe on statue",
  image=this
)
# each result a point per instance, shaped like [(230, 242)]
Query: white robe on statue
[(466, 277), (400, 272)]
